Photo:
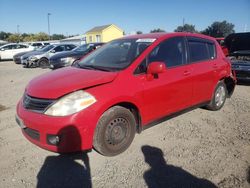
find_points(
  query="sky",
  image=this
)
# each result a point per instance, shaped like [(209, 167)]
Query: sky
[(73, 17)]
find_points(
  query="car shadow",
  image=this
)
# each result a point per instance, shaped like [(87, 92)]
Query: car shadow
[(66, 170), (164, 175)]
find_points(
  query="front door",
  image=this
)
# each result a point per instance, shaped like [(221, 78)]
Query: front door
[(170, 91)]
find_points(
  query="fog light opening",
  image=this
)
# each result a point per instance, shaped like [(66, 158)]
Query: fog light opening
[(53, 140)]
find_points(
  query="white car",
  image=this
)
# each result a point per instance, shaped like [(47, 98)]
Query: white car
[(7, 51)]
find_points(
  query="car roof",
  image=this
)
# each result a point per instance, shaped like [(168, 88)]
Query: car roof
[(13, 44), (163, 35)]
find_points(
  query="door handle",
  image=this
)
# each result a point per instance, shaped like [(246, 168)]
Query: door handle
[(186, 73), (215, 65)]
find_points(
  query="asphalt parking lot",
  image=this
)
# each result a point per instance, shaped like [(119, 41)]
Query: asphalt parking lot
[(197, 149)]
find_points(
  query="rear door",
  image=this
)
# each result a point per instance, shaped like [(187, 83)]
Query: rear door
[(170, 91), (202, 56), (20, 48)]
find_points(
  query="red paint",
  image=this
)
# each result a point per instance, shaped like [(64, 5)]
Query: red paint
[(175, 89)]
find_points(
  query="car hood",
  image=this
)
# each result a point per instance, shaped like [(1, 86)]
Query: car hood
[(21, 53), (66, 54), (26, 55), (66, 80), (237, 42)]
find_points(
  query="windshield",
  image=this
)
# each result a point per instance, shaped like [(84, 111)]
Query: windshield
[(115, 55), (47, 48), (82, 48)]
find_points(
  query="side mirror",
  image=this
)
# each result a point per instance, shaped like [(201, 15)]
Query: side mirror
[(53, 51), (2, 49), (155, 68)]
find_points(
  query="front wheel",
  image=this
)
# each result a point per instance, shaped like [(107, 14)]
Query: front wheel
[(43, 63), (219, 97), (115, 131)]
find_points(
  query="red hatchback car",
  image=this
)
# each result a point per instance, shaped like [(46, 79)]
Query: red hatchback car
[(122, 88)]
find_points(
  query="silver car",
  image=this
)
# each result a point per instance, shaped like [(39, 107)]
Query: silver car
[(40, 58)]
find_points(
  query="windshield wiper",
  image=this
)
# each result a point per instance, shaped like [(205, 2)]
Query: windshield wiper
[(92, 67)]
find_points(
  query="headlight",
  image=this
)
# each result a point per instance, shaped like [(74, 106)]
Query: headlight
[(68, 60), (33, 58), (71, 103)]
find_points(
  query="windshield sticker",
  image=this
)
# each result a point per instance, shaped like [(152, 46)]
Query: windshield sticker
[(146, 40)]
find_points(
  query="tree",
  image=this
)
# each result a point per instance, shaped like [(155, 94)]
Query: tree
[(157, 30), (41, 36), (57, 37), (186, 28), (4, 35), (14, 38), (219, 29), (138, 32)]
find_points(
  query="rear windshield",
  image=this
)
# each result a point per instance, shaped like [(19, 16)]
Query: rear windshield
[(116, 55)]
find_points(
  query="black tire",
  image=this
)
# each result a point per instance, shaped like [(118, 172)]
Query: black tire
[(43, 63), (219, 97), (115, 131)]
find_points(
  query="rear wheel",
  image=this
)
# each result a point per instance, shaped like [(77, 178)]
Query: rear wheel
[(115, 131), (43, 63), (219, 97)]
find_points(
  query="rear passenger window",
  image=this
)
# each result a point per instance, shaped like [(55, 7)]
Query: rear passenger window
[(198, 51), (171, 52), (201, 50)]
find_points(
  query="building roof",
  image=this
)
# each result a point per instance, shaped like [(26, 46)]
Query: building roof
[(98, 28)]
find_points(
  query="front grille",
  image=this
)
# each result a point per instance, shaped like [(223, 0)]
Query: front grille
[(32, 133), (36, 104)]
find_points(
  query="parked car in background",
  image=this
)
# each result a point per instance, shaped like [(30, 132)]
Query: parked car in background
[(39, 44), (68, 58), (41, 57), (239, 53), (221, 41), (122, 88), (7, 51), (18, 57)]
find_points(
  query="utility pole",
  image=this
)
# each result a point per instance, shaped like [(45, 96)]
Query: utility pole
[(17, 29), (48, 25), (18, 34)]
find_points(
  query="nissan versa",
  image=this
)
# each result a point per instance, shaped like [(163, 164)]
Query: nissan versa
[(122, 88)]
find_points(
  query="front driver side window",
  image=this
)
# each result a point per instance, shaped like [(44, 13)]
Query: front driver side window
[(59, 49), (171, 51)]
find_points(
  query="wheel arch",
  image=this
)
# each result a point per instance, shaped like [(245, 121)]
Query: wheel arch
[(44, 58), (230, 85), (134, 110)]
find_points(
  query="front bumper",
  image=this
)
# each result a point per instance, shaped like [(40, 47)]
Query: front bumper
[(17, 60), (75, 132)]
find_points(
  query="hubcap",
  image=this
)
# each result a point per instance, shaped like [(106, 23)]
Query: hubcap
[(117, 131), (220, 95)]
